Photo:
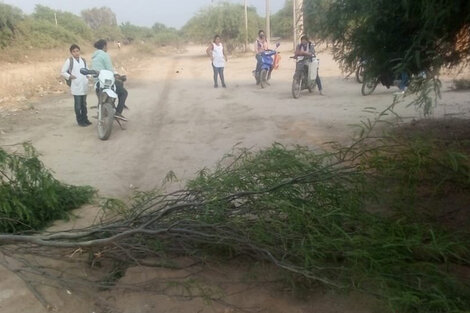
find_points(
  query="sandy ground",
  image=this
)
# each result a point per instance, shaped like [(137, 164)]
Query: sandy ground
[(180, 123)]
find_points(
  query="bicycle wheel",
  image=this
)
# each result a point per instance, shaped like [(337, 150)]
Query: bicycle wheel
[(368, 86), (360, 74)]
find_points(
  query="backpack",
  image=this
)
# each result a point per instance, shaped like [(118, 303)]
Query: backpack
[(69, 81)]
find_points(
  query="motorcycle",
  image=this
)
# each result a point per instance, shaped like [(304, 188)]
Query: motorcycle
[(106, 100), (306, 72), (269, 59)]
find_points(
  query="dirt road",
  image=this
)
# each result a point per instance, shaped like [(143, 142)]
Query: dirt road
[(179, 122)]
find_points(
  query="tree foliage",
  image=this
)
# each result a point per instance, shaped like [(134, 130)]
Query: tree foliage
[(158, 34), (41, 33), (9, 19), (132, 32), (67, 20), (103, 21), (226, 20), (281, 22), (98, 17), (30, 197), (406, 35)]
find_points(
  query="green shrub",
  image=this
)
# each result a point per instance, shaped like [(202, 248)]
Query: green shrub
[(461, 84), (108, 32), (9, 19), (134, 33), (71, 22), (224, 19), (44, 34), (30, 197), (307, 214)]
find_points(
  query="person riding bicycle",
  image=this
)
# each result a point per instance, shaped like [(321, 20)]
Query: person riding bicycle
[(304, 53), (102, 61)]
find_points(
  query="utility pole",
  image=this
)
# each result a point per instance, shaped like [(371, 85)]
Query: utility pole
[(298, 20), (246, 26), (268, 21), (294, 19), (55, 18)]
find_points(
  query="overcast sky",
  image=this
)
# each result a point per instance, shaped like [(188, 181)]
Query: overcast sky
[(173, 13)]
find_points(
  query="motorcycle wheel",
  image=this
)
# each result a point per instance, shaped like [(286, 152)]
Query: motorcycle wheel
[(263, 78), (105, 123), (257, 76), (296, 87), (368, 86), (360, 74)]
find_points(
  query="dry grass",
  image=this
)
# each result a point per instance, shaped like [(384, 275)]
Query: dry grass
[(29, 74)]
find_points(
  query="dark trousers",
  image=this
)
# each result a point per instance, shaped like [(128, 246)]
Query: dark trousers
[(404, 81), (218, 71), (80, 109), (318, 81), (122, 95), (259, 62)]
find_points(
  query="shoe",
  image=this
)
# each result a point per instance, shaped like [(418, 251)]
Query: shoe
[(321, 93), (224, 86), (126, 107), (216, 86), (87, 122), (398, 93), (83, 124), (119, 116)]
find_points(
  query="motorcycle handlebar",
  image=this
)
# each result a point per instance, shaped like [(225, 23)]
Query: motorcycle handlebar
[(86, 71)]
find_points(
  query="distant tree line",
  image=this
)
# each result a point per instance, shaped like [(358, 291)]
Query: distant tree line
[(49, 28)]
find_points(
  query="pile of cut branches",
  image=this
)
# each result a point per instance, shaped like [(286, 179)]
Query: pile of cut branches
[(30, 197), (299, 210)]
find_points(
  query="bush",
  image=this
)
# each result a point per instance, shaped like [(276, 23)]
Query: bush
[(310, 215), (9, 19), (108, 32), (461, 84), (226, 20), (69, 21), (44, 34), (133, 33), (30, 197)]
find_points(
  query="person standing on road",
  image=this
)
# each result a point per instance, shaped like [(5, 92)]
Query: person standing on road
[(78, 84), (218, 57), (102, 61)]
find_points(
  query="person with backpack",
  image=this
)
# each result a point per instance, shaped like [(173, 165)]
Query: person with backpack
[(218, 57), (78, 84)]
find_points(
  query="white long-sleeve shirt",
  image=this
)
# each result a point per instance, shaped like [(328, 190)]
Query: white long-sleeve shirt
[(79, 86)]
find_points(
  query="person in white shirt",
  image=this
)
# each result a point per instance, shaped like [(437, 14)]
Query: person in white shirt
[(218, 57), (78, 84)]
